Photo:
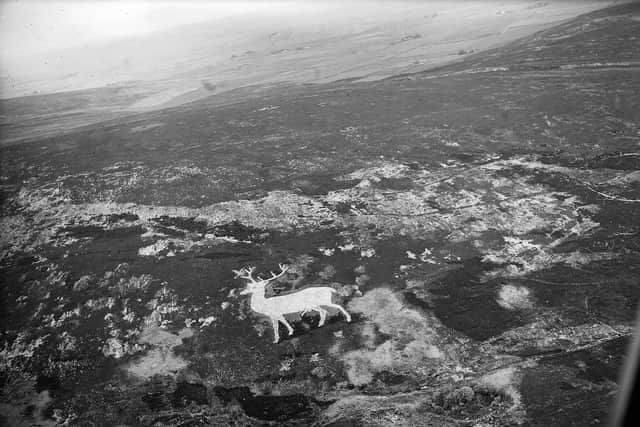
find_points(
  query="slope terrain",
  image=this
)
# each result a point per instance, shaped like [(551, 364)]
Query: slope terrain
[(479, 222), (78, 86)]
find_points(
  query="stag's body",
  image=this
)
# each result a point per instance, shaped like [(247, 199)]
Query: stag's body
[(310, 299)]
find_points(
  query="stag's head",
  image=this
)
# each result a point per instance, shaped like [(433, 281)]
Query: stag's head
[(252, 288), (254, 285)]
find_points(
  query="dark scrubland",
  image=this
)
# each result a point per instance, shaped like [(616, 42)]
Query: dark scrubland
[(480, 222)]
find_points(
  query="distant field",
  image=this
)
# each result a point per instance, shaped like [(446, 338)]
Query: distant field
[(190, 63)]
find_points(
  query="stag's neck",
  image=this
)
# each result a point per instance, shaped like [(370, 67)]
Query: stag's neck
[(258, 299)]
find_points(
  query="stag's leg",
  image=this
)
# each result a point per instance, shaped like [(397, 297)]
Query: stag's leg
[(323, 315), (285, 323), (276, 334), (339, 307)]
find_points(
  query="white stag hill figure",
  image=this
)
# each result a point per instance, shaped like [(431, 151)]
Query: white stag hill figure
[(310, 299)]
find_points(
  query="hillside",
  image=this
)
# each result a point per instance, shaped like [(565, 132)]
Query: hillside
[(319, 45), (478, 221)]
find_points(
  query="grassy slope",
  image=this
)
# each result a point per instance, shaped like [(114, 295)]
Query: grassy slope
[(515, 179), (194, 62)]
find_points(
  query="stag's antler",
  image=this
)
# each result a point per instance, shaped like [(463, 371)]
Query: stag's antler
[(274, 276), (245, 273)]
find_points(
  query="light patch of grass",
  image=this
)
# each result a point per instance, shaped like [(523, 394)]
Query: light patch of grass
[(514, 297), (414, 344), (506, 381), (160, 360)]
